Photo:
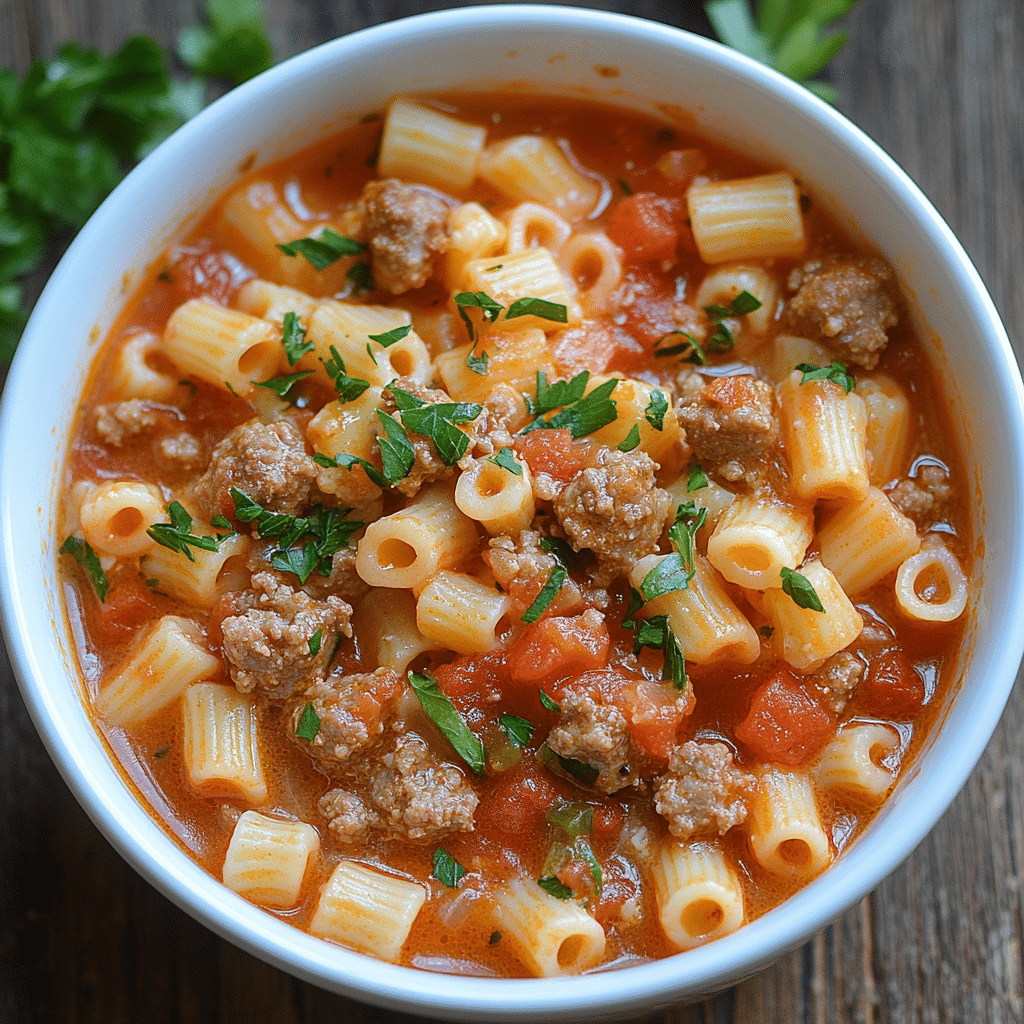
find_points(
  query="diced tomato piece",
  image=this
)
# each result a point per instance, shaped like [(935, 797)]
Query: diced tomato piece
[(736, 392), (654, 310), (473, 680), (608, 818), (785, 723), (891, 686), (513, 806), (550, 451), (556, 645), (621, 882), (644, 227), (127, 607), (594, 345)]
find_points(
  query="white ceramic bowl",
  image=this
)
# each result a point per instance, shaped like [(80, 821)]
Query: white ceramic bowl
[(731, 98)]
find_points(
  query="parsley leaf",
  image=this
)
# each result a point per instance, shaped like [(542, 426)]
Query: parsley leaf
[(359, 278), (309, 724), (573, 820), (177, 534), (799, 588), (293, 336), (235, 45), (84, 555), (538, 307), (389, 338), (835, 372), (636, 602), (656, 409), (478, 363), (347, 388), (344, 461), (549, 592), (396, 449), (689, 351), (788, 36), (315, 640), (675, 571), (548, 703), (580, 415), (631, 440), (447, 869), (327, 248), (553, 887), (554, 396), (443, 714), (697, 479), (494, 939), (490, 308), (440, 422), (507, 460), (656, 633), (518, 730), (282, 385), (561, 550), (571, 766)]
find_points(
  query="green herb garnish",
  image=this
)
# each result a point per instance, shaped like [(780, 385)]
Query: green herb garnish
[(177, 534), (835, 372), (84, 555), (396, 450), (656, 409), (548, 703), (689, 351), (327, 248), (478, 363), (549, 592), (580, 415), (799, 588), (656, 633), (234, 46), (440, 422), (447, 869), (392, 337), (553, 311), (315, 641), (553, 887), (282, 385), (309, 724), (490, 309), (697, 479), (507, 460), (631, 440), (293, 336), (347, 388), (518, 730), (571, 766), (443, 714)]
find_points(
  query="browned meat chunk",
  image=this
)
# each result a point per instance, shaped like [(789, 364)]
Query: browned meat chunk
[(615, 509), (181, 450), (702, 792), (406, 228), (731, 426), (266, 462), (343, 581), (120, 420), (922, 498), (845, 302), (428, 465), (405, 791), (504, 413), (352, 711), (597, 734), (837, 679), (522, 567), (266, 642)]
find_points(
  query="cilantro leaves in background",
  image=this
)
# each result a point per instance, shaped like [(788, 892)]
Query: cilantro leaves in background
[(788, 35), (72, 127)]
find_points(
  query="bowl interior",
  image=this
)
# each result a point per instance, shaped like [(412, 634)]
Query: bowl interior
[(549, 50)]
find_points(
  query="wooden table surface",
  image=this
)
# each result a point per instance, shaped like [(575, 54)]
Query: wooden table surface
[(940, 85)]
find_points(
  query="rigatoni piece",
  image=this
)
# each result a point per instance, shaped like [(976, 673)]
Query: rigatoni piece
[(474, 233), (808, 637), (499, 499), (349, 428), (593, 263), (754, 540), (387, 630), (698, 894), (423, 145), (825, 433), (786, 833), (162, 662), (267, 859), (513, 357), (271, 301), (864, 541), (633, 399), (530, 225), (222, 346), (115, 516), (705, 621), (367, 910), (712, 497), (532, 168), (888, 434), (931, 586), (194, 580), (220, 743), (853, 760), (746, 218), (723, 284), (551, 937), (461, 613), (135, 374), (789, 350), (404, 549)]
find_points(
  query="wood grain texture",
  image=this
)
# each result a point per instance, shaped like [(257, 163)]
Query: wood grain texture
[(84, 939)]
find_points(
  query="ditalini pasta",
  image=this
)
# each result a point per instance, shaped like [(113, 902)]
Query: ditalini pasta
[(516, 538)]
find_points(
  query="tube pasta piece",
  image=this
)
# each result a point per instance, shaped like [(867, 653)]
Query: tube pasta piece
[(863, 542), (267, 859), (888, 432), (593, 263), (386, 621), (632, 398), (713, 497), (532, 274), (931, 586), (532, 168), (347, 327), (786, 834), (461, 613), (134, 375), (221, 748), (698, 894), (723, 284), (514, 357), (474, 234), (746, 218), (552, 937), (753, 541), (165, 660), (825, 433), (500, 500), (350, 428), (788, 351), (853, 760), (807, 637), (196, 581), (271, 301), (530, 225), (367, 910), (708, 626), (225, 347), (424, 145), (404, 549), (115, 516)]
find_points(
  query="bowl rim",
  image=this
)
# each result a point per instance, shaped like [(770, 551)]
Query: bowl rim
[(693, 974)]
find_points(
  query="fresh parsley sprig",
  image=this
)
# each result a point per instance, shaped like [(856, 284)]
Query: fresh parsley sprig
[(548, 593), (322, 250), (443, 714), (440, 422), (580, 413), (656, 632), (347, 388), (447, 870), (799, 588), (835, 372), (84, 555), (178, 536)]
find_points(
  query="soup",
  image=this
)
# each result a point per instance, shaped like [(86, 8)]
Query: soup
[(515, 537)]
